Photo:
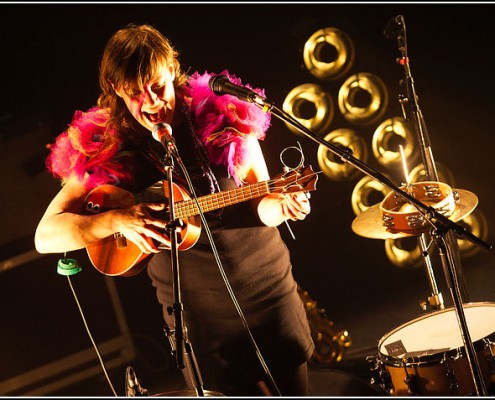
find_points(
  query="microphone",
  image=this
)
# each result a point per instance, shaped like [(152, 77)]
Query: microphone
[(162, 133), (220, 85), (395, 27), (132, 386)]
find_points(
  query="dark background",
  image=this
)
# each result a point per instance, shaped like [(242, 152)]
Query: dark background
[(49, 68)]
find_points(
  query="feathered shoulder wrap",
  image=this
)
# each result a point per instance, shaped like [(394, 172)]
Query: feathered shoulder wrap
[(222, 124), (91, 146)]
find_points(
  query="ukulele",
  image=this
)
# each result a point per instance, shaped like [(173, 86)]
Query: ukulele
[(115, 255)]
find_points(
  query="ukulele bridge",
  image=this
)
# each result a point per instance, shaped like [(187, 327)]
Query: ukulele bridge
[(120, 240)]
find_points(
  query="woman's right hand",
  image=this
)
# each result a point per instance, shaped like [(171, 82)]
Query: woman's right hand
[(64, 228), (138, 224)]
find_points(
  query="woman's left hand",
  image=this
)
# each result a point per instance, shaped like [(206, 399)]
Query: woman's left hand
[(295, 206)]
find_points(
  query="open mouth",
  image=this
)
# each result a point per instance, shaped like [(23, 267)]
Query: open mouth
[(155, 117)]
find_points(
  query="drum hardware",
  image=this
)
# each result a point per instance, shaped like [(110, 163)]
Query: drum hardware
[(426, 356), (379, 374), (435, 301), (411, 380), (450, 373), (490, 359)]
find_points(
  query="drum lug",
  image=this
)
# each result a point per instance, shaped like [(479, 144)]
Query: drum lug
[(453, 384), (379, 374), (450, 373), (490, 359)]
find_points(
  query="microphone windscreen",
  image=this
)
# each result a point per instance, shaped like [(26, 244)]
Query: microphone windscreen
[(215, 83), (160, 130)]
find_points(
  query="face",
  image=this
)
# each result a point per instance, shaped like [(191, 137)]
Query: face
[(156, 103)]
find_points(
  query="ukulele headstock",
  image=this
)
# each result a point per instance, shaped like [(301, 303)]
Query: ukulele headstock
[(301, 179)]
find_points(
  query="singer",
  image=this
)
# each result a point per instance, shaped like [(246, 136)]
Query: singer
[(142, 85)]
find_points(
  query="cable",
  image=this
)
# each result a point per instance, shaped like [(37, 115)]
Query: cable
[(70, 267), (225, 279)]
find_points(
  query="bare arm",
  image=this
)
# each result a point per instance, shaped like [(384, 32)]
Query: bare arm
[(64, 227)]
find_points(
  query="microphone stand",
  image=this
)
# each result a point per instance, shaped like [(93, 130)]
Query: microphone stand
[(444, 238), (182, 345), (440, 224)]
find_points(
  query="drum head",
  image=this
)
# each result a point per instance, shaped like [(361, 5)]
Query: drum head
[(438, 332)]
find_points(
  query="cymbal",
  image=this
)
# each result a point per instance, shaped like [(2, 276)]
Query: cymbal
[(369, 223)]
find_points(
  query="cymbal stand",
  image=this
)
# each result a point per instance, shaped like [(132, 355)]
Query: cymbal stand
[(182, 345), (444, 238), (435, 301)]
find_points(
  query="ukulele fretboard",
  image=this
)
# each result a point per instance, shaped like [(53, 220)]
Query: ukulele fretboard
[(215, 201)]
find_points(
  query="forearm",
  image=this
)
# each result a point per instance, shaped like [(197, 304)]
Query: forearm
[(68, 231)]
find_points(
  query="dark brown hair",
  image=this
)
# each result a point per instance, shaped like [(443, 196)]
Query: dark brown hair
[(133, 55)]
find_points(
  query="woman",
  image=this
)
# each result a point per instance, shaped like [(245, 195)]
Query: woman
[(142, 85)]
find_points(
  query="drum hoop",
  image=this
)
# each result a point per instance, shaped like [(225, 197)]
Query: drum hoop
[(437, 358), (434, 358)]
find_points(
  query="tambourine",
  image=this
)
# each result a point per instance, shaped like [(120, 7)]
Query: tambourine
[(399, 215)]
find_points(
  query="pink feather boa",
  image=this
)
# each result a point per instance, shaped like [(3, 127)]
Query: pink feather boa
[(222, 123), (81, 149)]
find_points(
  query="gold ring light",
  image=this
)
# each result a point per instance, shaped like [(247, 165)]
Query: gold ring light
[(403, 252), (311, 106), (319, 57), (367, 193), (386, 140), (363, 98), (331, 165)]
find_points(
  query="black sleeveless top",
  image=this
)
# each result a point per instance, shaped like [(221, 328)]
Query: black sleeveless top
[(257, 266)]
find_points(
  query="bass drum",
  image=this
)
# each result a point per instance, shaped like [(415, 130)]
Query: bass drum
[(426, 356)]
